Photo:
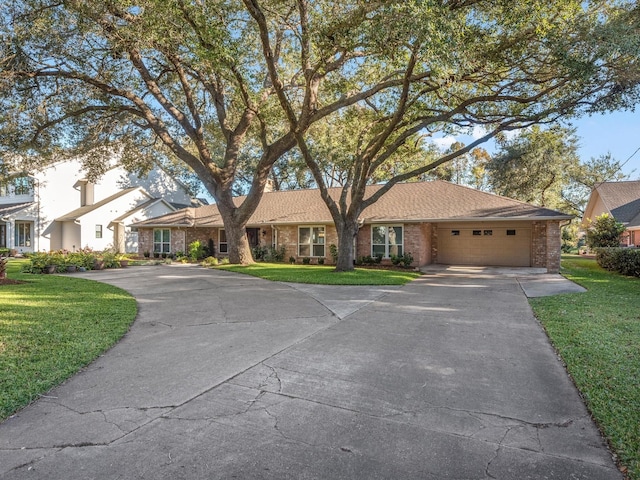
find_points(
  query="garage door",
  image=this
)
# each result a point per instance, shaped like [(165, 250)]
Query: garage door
[(464, 244)]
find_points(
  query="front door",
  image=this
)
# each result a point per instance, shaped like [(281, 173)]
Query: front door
[(253, 235), (3, 235)]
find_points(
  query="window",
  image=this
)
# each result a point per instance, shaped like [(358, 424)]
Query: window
[(23, 234), (477, 233), (162, 240), (488, 232), (455, 233), (22, 186), (511, 232), (98, 231), (311, 242), (386, 241), (223, 246)]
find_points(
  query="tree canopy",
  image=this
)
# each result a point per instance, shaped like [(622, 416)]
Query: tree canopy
[(216, 83)]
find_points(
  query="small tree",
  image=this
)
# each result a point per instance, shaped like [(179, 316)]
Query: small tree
[(604, 231)]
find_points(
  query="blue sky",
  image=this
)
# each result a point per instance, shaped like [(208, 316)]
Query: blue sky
[(617, 133)]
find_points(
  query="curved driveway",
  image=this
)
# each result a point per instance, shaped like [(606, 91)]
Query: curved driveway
[(227, 376)]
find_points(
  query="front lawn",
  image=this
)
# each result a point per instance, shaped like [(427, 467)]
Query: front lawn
[(597, 333), (323, 275), (52, 326)]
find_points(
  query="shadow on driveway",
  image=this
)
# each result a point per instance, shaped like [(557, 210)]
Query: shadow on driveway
[(228, 376)]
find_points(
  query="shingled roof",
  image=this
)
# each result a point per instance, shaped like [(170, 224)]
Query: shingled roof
[(405, 202), (622, 199)]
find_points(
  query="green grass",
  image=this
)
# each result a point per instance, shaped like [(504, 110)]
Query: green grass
[(323, 275), (52, 326), (597, 333)]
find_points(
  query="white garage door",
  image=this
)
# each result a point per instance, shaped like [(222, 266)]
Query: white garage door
[(484, 244)]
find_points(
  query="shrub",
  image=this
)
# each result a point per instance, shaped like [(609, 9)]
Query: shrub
[(404, 260), (275, 254), (622, 260), (369, 260), (110, 259), (146, 254), (604, 231), (4, 252), (321, 261), (306, 261), (196, 251), (224, 261), (210, 262), (292, 260), (259, 253), (333, 251)]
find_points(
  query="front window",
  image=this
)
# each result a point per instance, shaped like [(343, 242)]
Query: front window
[(98, 231), (23, 234), (223, 246), (22, 186), (311, 242), (162, 240), (386, 241)]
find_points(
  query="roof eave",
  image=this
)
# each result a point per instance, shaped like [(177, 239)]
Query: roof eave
[(471, 219)]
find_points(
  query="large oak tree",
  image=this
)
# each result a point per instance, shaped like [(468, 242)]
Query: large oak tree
[(214, 81)]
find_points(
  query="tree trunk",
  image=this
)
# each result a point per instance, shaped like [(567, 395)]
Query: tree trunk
[(238, 244), (346, 253), (235, 230)]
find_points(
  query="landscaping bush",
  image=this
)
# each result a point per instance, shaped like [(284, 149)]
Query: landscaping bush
[(275, 255), (210, 262), (625, 261), (259, 253), (268, 254), (369, 260), (333, 251), (404, 261), (196, 251), (604, 231), (306, 261)]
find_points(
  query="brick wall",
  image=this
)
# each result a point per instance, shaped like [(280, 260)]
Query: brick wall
[(434, 243), (554, 246), (539, 244), (545, 245), (145, 240)]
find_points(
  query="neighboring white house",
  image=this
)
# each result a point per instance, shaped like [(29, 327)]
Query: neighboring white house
[(59, 208)]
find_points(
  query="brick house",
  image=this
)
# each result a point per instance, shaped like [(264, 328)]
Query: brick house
[(436, 222), (621, 200)]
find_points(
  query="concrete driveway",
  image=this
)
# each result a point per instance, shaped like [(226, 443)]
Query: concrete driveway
[(226, 376)]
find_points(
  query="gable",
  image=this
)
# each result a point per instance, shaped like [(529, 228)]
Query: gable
[(620, 199)]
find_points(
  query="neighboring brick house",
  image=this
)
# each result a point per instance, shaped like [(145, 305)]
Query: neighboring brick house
[(437, 222), (621, 200)]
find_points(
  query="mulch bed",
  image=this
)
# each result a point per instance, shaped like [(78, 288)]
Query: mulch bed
[(9, 281)]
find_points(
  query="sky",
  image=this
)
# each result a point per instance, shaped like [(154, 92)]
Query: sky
[(617, 133)]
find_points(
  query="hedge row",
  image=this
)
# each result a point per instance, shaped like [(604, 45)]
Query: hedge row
[(622, 260)]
